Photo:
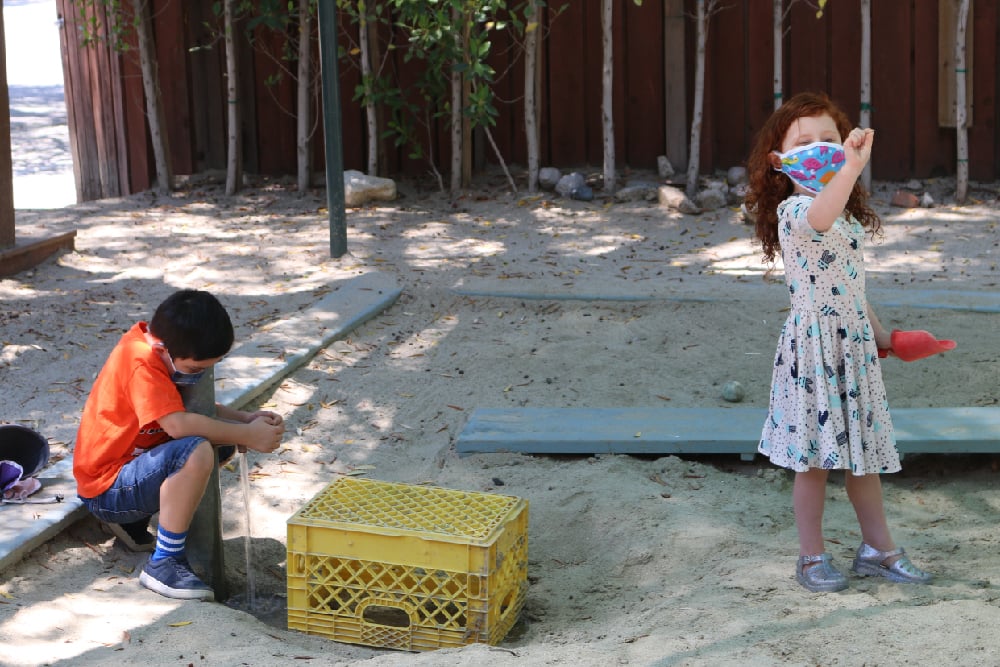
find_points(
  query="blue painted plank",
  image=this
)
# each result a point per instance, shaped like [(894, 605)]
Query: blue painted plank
[(698, 430)]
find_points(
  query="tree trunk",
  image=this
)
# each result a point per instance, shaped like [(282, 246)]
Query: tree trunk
[(154, 102), (866, 80), (779, 21), (532, 26), (694, 154), (304, 108), (234, 167), (961, 131), (607, 100), (366, 78)]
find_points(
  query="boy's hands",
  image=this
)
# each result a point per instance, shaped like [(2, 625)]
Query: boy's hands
[(263, 434), (272, 418)]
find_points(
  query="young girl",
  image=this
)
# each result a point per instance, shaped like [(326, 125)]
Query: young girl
[(828, 406)]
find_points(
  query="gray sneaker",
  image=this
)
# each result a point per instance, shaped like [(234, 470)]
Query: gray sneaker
[(818, 574), (172, 577)]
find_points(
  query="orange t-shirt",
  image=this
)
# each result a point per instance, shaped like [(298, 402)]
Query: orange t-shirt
[(131, 393)]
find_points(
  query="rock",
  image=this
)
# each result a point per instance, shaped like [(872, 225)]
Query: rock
[(736, 176), (360, 188), (570, 182), (904, 199), (716, 184), (733, 392), (637, 191), (663, 166), (548, 177), (914, 184), (674, 198), (737, 194), (927, 201), (710, 199)]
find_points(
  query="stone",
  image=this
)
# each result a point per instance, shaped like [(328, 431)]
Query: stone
[(736, 176), (927, 201), (548, 177), (570, 182), (637, 191), (733, 391), (710, 199), (663, 167), (715, 184), (737, 194), (674, 198), (904, 199), (914, 184), (359, 188)]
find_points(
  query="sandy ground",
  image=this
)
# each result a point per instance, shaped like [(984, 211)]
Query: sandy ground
[(648, 561)]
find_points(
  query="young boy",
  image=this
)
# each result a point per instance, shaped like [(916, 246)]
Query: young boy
[(138, 452)]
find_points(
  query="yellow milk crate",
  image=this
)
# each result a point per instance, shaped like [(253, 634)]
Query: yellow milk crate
[(407, 567)]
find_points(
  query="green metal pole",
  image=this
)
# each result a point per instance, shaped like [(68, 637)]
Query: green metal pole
[(327, 19), (205, 534)]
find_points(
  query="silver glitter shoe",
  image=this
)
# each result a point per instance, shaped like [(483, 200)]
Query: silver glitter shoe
[(818, 574), (870, 562)]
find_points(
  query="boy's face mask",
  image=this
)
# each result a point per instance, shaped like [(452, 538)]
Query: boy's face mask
[(179, 378), (186, 379), (813, 165)]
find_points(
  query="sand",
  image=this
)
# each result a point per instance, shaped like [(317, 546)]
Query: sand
[(656, 560)]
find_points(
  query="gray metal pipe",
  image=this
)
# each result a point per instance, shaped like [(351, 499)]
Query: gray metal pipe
[(204, 543)]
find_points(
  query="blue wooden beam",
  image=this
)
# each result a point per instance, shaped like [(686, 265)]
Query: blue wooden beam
[(699, 430)]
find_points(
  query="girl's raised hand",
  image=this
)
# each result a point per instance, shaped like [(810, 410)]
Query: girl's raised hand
[(858, 147)]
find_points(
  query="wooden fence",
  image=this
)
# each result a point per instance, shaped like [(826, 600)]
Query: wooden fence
[(653, 75)]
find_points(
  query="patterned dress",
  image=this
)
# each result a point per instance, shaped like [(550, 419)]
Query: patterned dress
[(828, 404)]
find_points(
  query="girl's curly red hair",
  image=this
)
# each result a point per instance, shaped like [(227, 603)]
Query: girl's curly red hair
[(768, 187)]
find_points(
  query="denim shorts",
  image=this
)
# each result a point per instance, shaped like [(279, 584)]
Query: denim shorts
[(135, 495)]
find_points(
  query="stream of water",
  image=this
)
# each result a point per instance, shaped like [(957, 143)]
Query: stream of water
[(251, 601)]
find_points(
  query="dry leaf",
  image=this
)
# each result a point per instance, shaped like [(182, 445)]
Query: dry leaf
[(180, 624)]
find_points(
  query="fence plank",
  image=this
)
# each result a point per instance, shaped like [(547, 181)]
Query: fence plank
[(759, 84), (843, 25), (274, 100), (566, 98), (726, 146), (208, 106), (643, 101), (892, 90), (929, 146), (982, 134)]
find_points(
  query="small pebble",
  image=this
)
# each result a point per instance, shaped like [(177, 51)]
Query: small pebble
[(733, 392)]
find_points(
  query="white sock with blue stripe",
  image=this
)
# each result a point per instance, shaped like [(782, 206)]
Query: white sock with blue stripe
[(168, 544)]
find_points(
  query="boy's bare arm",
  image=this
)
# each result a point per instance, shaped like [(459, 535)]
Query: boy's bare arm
[(258, 434), (227, 413)]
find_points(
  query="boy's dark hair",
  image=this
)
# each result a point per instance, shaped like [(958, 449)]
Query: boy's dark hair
[(193, 324)]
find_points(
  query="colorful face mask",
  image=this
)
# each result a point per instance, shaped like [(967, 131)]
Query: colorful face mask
[(813, 165)]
